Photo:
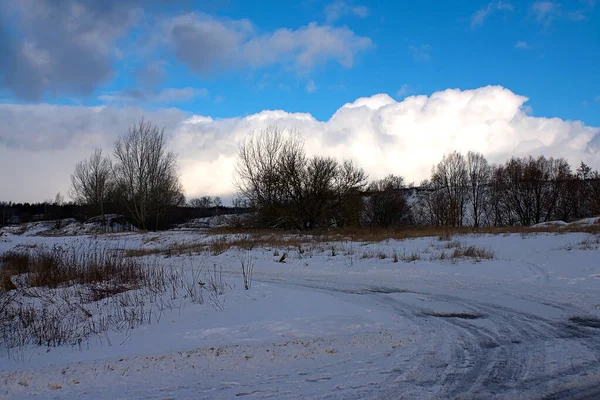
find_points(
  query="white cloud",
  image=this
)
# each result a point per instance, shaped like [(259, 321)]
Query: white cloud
[(480, 15), (421, 53), (383, 135), (311, 86), (339, 9), (522, 45), (577, 15), (545, 11), (403, 91)]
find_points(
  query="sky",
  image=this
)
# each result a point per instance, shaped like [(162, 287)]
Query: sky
[(394, 85)]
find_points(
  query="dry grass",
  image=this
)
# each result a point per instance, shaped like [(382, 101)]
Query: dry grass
[(362, 234), (221, 243), (592, 242), (62, 296), (306, 244), (56, 266), (411, 257), (474, 252)]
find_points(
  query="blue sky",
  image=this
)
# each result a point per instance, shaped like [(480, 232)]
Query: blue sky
[(547, 51), (393, 85)]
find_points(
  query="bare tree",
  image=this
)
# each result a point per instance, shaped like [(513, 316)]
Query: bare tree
[(201, 202), (92, 181), (450, 179), (147, 173), (386, 204), (261, 158), (499, 213), (289, 189), (479, 174), (533, 187)]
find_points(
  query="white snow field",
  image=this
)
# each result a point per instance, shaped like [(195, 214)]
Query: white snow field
[(338, 320)]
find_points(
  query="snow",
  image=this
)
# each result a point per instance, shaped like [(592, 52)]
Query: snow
[(345, 324), (549, 224), (588, 221)]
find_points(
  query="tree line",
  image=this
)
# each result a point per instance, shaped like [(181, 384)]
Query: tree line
[(285, 188), (289, 189), (522, 191)]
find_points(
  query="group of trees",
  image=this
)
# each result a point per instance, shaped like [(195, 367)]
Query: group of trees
[(141, 177), (206, 202), (289, 189), (522, 191)]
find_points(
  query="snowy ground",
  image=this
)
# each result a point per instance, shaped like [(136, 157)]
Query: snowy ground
[(337, 321)]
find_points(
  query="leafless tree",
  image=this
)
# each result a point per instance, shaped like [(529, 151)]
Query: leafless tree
[(258, 173), (92, 182), (479, 174), (351, 179), (533, 187), (286, 187), (497, 210), (449, 178), (386, 204), (201, 202), (593, 183), (147, 173)]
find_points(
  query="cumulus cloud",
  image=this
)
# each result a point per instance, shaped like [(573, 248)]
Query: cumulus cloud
[(383, 135), (205, 44), (339, 9), (483, 13)]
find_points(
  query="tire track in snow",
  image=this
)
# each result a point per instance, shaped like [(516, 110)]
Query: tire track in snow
[(506, 354)]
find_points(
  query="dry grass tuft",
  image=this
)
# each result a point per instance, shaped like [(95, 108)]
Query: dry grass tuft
[(411, 257), (474, 252)]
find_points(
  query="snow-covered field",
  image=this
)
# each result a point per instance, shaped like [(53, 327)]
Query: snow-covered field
[(341, 320)]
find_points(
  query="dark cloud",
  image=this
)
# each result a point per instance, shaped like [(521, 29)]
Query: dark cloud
[(206, 44), (151, 74), (69, 47), (61, 46)]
